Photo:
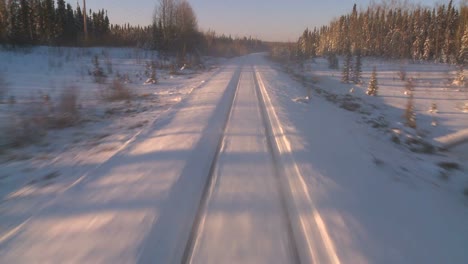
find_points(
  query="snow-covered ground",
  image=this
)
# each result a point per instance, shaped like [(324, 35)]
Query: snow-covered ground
[(131, 195), (380, 202), (434, 84), (34, 174)]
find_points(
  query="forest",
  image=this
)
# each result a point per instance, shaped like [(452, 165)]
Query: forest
[(397, 31)]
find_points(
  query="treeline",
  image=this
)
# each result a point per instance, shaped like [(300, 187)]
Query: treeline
[(46, 22), (403, 32), (222, 45), (174, 30)]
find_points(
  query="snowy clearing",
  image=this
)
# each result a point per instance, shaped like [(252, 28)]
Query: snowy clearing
[(35, 173)]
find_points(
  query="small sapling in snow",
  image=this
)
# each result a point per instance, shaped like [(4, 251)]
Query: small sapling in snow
[(98, 72), (372, 89)]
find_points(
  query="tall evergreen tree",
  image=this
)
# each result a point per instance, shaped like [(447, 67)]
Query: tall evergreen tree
[(3, 21), (14, 24), (357, 69), (60, 21), (347, 65), (463, 53), (49, 21)]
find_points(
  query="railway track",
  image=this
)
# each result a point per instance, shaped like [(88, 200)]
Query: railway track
[(207, 244)]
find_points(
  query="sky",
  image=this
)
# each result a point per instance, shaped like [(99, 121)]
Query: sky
[(271, 20)]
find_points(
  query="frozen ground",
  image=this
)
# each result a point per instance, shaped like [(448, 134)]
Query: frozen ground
[(351, 195), (32, 175), (434, 84)]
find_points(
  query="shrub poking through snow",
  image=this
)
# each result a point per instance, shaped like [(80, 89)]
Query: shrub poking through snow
[(27, 126), (117, 91), (373, 87), (402, 74), (173, 70), (125, 78), (433, 111), (67, 112), (409, 87)]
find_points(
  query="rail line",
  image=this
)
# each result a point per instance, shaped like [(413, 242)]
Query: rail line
[(208, 187), (198, 224)]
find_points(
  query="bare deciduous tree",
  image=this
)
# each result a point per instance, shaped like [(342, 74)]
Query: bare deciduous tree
[(178, 25)]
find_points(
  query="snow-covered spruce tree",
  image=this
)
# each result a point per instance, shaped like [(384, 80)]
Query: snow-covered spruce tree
[(357, 69), (427, 49), (463, 53), (372, 89), (347, 67), (151, 73), (410, 115)]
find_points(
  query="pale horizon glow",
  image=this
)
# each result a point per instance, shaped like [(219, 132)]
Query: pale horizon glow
[(272, 20)]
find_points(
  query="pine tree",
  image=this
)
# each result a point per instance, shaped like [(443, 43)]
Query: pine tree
[(463, 53), (14, 24), (427, 55), (49, 21), (60, 21), (347, 67), (71, 32), (79, 20), (3, 21), (25, 22), (372, 89), (416, 49)]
